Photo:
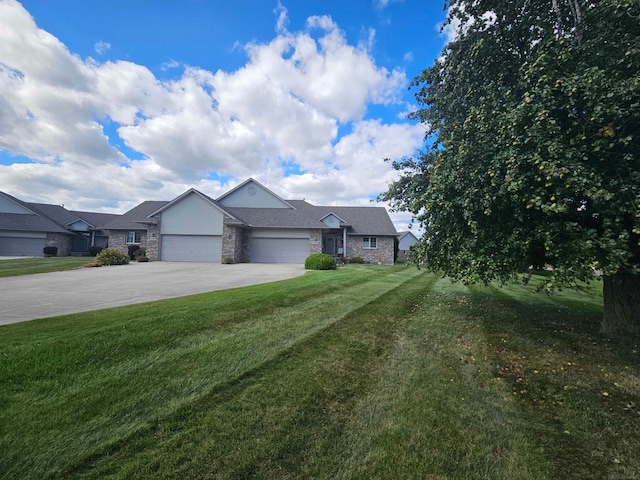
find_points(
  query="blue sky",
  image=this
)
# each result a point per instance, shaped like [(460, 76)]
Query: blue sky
[(104, 104)]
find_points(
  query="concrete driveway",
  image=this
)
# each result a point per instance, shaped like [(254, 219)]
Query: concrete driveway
[(50, 294)]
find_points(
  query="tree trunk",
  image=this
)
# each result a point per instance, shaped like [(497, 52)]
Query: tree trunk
[(621, 293)]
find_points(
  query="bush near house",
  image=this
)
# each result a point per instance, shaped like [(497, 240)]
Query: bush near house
[(357, 260), (320, 261), (137, 254), (111, 256)]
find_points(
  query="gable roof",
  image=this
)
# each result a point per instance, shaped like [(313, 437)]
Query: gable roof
[(131, 220), (46, 217), (97, 218), (186, 194), (275, 217), (33, 219), (401, 235), (362, 220), (29, 223), (16, 205), (291, 214), (264, 198)]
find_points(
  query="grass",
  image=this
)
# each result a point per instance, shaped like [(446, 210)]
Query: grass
[(27, 266), (361, 373)]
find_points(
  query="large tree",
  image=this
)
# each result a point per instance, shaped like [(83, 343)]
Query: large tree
[(532, 156)]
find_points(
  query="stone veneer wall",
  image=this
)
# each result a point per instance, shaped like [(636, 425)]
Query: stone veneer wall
[(315, 241), (236, 244), (62, 241), (383, 254), (245, 244), (153, 242), (118, 240)]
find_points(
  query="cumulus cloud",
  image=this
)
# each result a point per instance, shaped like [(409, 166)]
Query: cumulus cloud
[(79, 120)]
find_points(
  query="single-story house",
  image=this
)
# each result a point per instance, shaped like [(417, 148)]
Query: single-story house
[(405, 241), (26, 228), (250, 223)]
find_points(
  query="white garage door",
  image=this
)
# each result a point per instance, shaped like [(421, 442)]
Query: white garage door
[(191, 248), (22, 246), (280, 250)]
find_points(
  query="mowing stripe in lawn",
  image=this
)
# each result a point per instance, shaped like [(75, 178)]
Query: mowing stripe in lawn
[(74, 385)]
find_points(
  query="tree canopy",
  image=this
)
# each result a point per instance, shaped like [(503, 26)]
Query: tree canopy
[(532, 155)]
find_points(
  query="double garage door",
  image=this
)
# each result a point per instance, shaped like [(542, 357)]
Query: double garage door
[(22, 246), (280, 250), (208, 248), (191, 248)]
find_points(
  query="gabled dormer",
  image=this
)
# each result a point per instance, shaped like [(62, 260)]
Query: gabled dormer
[(80, 226), (252, 194), (332, 220)]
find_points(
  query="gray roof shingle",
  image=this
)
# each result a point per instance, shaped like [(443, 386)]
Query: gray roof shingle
[(362, 220), (29, 223), (130, 220)]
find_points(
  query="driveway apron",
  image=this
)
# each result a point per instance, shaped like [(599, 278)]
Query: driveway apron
[(51, 294)]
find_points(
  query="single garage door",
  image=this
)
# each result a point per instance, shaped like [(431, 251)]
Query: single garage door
[(21, 246), (280, 250), (191, 248)]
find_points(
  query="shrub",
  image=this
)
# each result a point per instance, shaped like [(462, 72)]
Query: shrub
[(356, 260), (141, 252), (50, 251), (111, 256), (142, 258), (320, 261), (95, 250)]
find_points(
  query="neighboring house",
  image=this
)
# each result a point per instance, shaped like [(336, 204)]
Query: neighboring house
[(405, 241), (252, 224), (26, 228)]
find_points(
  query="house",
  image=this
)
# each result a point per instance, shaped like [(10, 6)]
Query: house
[(26, 228), (405, 241), (250, 223)]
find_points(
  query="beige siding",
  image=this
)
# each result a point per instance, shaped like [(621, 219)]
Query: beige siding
[(254, 196), (9, 206), (193, 215)]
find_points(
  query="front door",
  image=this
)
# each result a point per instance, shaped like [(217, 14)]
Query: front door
[(81, 242), (330, 244)]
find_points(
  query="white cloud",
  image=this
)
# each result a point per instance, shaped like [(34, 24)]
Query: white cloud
[(382, 4), (283, 18), (286, 105), (101, 47), (454, 27)]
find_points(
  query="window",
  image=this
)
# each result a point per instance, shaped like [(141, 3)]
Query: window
[(133, 237), (369, 242)]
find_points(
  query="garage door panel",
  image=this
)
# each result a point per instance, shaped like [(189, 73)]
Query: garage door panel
[(191, 248), (18, 246), (280, 250)]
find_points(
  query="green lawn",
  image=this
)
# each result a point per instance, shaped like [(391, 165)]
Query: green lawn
[(25, 266), (361, 373)]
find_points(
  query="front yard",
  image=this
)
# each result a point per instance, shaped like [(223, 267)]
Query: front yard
[(30, 265), (364, 372)]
